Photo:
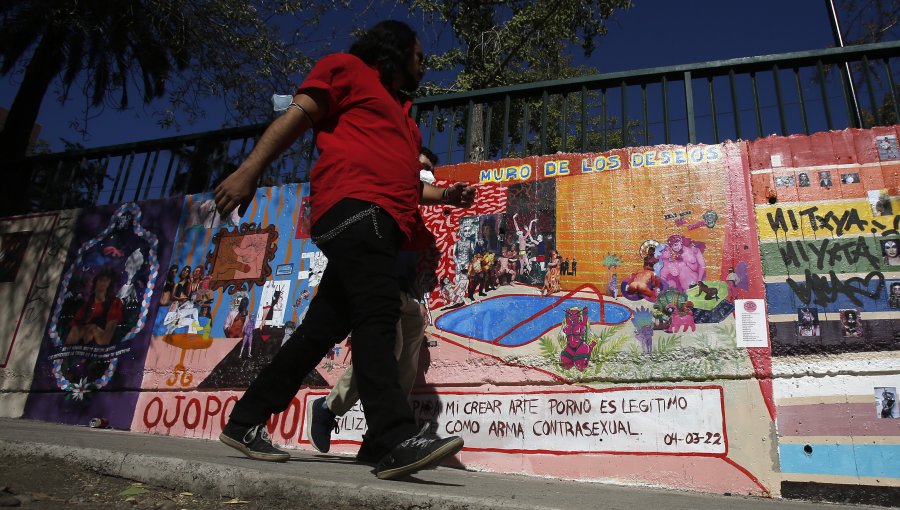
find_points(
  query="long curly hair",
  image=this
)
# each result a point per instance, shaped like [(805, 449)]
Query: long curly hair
[(109, 274), (387, 46)]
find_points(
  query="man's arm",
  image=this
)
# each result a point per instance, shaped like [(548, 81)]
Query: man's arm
[(459, 194), (237, 190)]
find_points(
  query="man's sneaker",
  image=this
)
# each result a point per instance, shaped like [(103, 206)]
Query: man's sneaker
[(319, 423), (416, 453), (253, 442)]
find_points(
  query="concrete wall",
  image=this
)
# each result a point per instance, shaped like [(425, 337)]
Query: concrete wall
[(721, 322)]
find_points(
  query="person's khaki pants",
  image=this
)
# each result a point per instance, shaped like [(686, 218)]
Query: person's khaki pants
[(410, 331)]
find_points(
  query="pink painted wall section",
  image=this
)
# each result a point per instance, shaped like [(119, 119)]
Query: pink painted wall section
[(669, 316)]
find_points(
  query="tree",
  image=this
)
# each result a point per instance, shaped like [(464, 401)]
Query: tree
[(187, 49), (76, 183), (869, 21), (503, 42), (507, 42), (863, 22)]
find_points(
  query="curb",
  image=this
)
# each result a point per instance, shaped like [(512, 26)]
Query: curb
[(213, 480)]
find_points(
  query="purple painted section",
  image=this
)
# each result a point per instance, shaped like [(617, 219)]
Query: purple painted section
[(117, 407), (75, 381), (834, 420)]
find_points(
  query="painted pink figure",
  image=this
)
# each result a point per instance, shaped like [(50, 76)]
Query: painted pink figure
[(454, 293), (524, 240), (249, 255), (577, 351), (681, 322), (683, 264), (507, 272)]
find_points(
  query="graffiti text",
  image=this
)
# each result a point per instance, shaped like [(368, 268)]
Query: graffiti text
[(847, 222), (827, 289), (827, 252)]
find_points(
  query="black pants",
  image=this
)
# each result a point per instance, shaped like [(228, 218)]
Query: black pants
[(358, 292)]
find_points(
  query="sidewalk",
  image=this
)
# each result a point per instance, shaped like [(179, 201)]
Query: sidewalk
[(313, 480)]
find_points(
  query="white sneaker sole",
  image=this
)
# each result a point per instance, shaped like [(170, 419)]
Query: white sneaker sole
[(451, 448), (241, 447)]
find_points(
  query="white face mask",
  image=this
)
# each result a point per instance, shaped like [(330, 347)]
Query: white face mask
[(426, 176)]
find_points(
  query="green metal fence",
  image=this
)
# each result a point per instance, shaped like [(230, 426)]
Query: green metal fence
[(744, 98)]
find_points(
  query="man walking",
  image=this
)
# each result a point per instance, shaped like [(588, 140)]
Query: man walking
[(323, 412), (364, 191)]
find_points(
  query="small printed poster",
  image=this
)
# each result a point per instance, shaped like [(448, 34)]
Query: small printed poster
[(886, 402), (750, 323), (887, 147)]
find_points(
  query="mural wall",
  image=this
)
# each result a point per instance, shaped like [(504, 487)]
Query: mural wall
[(718, 318), (234, 292), (91, 358), (827, 216)]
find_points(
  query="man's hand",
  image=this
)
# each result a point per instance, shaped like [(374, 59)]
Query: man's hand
[(461, 194), (236, 191)]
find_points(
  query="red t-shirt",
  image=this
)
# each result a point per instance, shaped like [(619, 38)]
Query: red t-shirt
[(368, 144), (93, 310)]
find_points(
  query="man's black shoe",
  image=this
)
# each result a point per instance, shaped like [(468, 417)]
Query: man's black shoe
[(253, 442), (416, 453), (365, 455), (319, 423)]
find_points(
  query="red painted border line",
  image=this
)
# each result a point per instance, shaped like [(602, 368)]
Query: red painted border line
[(748, 474)]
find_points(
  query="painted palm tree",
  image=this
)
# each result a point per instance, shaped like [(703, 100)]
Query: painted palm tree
[(611, 262)]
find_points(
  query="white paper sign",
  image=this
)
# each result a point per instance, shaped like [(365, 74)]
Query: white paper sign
[(634, 420), (750, 323), (274, 296)]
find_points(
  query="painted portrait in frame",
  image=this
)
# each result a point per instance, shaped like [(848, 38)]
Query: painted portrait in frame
[(241, 257)]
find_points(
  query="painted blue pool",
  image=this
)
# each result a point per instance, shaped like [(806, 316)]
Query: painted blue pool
[(491, 319)]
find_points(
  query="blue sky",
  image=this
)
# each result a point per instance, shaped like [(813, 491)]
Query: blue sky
[(653, 33)]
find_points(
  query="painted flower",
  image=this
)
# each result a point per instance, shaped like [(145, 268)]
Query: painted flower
[(80, 389)]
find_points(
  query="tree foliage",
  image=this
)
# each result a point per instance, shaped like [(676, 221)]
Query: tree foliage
[(183, 50), (179, 49), (869, 21), (520, 41), (516, 41), (863, 22)]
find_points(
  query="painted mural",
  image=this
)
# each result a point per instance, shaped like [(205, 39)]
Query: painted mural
[(98, 331), (234, 292), (598, 261), (720, 318), (827, 216), (578, 270)]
